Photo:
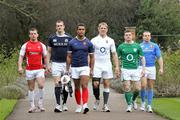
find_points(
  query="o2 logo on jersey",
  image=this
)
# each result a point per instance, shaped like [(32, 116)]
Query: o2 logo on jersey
[(129, 57), (103, 50)]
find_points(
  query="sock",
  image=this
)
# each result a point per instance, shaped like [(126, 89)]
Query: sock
[(135, 95), (143, 95), (78, 96), (65, 94), (106, 95), (96, 92), (57, 94), (85, 95), (31, 98), (41, 96), (128, 97), (150, 96)]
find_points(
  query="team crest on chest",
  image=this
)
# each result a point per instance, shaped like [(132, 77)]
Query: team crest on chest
[(106, 41), (135, 49), (54, 40), (84, 43)]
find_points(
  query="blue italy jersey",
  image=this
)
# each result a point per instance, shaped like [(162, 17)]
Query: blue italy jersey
[(59, 44), (80, 50), (151, 52)]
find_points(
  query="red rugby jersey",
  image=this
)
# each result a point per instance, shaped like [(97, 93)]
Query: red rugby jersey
[(34, 52)]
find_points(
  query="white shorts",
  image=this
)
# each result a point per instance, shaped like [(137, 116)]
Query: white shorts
[(58, 69), (32, 74), (76, 72), (150, 72), (104, 72), (131, 74)]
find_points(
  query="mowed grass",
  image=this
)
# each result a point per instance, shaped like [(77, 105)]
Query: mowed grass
[(167, 107), (6, 107)]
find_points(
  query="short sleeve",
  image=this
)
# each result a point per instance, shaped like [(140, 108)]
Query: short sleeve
[(69, 50), (140, 51), (113, 47), (91, 48), (23, 50), (157, 51), (44, 50), (119, 52)]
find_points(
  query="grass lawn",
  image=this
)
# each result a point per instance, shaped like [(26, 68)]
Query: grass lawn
[(6, 107), (167, 107)]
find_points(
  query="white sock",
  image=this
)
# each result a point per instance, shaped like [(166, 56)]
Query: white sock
[(41, 96), (31, 98)]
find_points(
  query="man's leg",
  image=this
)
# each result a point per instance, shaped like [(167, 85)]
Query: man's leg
[(57, 92), (41, 83), (150, 94), (65, 96), (128, 94), (106, 94), (143, 93), (84, 79), (31, 95), (96, 91), (136, 89)]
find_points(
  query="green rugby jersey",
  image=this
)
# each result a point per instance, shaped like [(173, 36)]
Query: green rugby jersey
[(129, 55)]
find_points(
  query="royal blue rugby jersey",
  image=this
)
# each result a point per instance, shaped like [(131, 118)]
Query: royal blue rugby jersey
[(80, 51), (59, 44), (151, 52)]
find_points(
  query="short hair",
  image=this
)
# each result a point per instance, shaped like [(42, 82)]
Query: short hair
[(33, 29), (146, 31), (80, 24), (60, 21), (102, 23), (126, 31)]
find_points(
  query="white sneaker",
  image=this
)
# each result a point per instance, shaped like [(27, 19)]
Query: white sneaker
[(129, 108), (105, 108), (42, 109), (78, 109), (32, 109), (149, 109), (96, 105), (143, 108), (135, 105), (85, 108), (58, 108), (65, 108)]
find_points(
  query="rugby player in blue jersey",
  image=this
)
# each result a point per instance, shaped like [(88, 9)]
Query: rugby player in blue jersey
[(79, 49), (57, 53), (151, 52)]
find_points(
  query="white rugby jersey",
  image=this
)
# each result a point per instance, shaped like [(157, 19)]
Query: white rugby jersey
[(103, 47)]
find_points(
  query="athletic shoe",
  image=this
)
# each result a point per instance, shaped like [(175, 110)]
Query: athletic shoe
[(143, 104), (65, 108), (32, 109), (85, 108), (105, 108), (58, 108), (42, 109), (96, 105), (149, 109), (135, 105), (129, 108), (78, 109)]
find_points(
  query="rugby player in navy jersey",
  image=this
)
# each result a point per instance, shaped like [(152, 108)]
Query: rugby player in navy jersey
[(56, 58), (79, 49)]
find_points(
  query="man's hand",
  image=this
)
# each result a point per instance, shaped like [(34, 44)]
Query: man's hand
[(143, 72), (20, 71), (49, 69), (117, 72), (161, 71)]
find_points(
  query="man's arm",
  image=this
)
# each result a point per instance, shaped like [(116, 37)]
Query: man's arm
[(49, 49), (116, 63), (20, 61), (68, 61), (143, 65), (160, 62), (91, 63)]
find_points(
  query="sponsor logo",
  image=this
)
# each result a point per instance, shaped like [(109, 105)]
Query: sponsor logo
[(129, 57), (54, 40)]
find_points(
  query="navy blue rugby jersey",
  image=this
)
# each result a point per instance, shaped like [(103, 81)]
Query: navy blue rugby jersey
[(59, 44), (80, 50)]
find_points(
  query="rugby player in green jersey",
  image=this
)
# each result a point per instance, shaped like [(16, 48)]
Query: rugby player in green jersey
[(129, 53)]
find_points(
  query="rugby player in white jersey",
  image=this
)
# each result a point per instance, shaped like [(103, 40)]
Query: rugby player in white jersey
[(104, 47)]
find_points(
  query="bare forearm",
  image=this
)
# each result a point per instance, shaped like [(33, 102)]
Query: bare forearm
[(160, 62), (91, 64), (115, 59), (68, 62)]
